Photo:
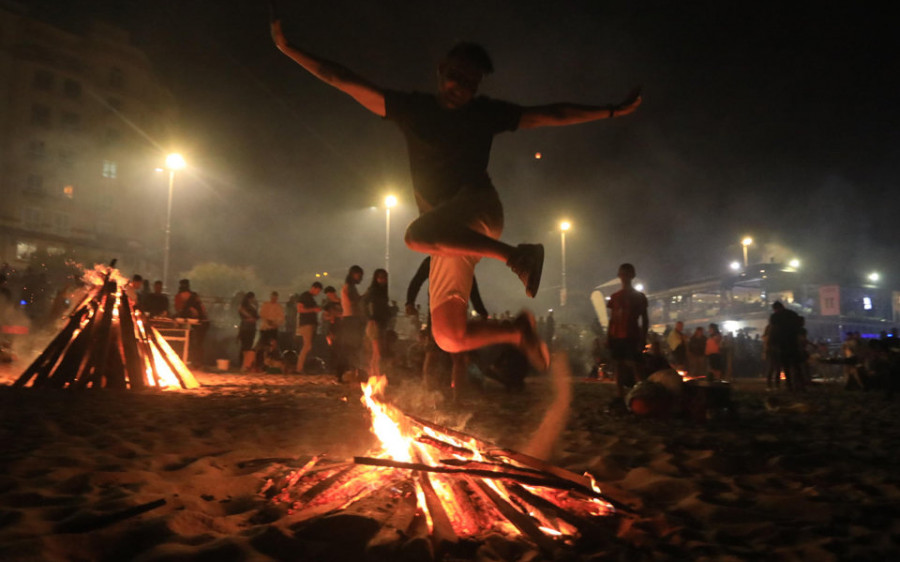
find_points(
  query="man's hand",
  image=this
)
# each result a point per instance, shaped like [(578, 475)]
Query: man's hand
[(631, 102)]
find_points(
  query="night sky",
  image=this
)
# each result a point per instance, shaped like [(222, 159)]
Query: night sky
[(763, 121)]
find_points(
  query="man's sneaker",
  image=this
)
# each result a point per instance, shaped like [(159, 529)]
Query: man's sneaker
[(532, 347), (527, 262)]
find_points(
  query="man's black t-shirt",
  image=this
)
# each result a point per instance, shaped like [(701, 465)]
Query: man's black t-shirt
[(448, 148), (308, 301)]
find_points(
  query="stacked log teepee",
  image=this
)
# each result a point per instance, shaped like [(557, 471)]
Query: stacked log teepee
[(106, 343)]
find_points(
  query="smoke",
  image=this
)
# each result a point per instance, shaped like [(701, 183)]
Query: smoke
[(545, 437)]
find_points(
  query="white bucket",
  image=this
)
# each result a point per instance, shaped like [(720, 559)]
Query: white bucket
[(222, 364)]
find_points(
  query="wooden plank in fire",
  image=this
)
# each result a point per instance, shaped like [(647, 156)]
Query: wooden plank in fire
[(129, 346), (91, 368), (522, 521), (489, 449), (548, 480), (42, 366), (396, 528)]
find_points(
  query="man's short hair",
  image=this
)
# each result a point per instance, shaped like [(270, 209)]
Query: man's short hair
[(777, 305), (472, 53), (627, 269), (316, 285), (137, 277), (330, 289)]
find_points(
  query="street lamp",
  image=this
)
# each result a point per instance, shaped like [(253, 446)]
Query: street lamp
[(564, 226), (874, 277), (746, 242), (389, 201), (174, 162)]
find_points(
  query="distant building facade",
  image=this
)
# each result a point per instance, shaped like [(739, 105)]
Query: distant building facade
[(743, 302), (82, 121)]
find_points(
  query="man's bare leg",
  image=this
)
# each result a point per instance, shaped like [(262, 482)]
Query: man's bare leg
[(454, 334)]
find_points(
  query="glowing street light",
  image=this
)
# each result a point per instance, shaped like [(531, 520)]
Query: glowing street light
[(795, 263), (389, 201), (174, 162), (735, 266), (746, 242), (874, 277), (564, 227)]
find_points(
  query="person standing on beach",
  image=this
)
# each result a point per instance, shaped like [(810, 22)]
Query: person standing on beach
[(449, 137), (307, 321), (628, 325)]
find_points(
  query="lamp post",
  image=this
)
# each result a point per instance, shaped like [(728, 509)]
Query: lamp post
[(389, 201), (174, 162), (564, 226), (746, 242)]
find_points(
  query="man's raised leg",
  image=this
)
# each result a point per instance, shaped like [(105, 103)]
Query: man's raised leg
[(455, 334)]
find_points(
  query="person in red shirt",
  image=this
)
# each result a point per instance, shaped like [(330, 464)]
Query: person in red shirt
[(628, 324)]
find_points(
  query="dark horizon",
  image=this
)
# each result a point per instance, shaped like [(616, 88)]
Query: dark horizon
[(755, 122)]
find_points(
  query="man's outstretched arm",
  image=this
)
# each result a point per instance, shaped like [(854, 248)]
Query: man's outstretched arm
[(559, 114), (368, 95)]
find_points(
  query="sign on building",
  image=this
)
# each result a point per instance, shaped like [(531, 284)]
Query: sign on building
[(830, 300)]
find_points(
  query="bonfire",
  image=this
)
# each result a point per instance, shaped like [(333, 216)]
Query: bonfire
[(441, 487), (106, 343)]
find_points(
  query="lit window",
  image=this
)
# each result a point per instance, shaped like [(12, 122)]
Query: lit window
[(867, 303), (69, 191), (109, 169), (55, 251), (25, 250)]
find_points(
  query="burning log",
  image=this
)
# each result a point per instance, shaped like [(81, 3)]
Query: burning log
[(547, 481), (107, 344), (433, 482)]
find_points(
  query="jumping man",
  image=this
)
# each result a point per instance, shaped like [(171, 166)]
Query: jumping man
[(448, 137)]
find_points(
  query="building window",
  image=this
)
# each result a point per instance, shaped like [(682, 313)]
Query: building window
[(111, 136), (60, 224), (34, 183), (72, 89), (66, 157), (110, 169), (69, 191), (25, 250), (70, 121), (40, 115), (31, 218), (43, 80), (867, 303), (36, 149), (55, 251), (116, 77)]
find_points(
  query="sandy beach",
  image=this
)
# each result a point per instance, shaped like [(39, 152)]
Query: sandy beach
[(103, 475)]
